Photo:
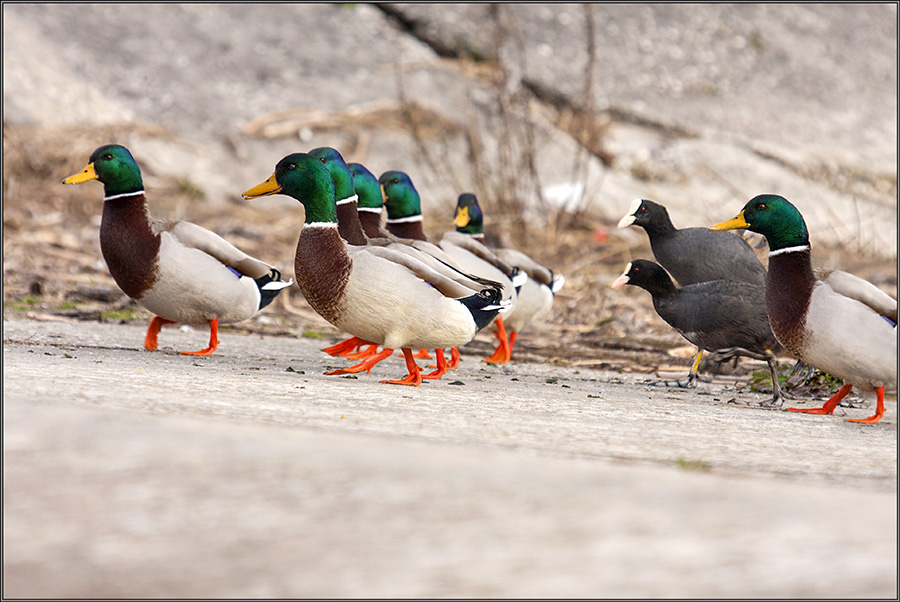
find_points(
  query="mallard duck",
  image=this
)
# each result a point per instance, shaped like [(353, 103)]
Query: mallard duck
[(372, 292), (713, 315), (535, 297), (347, 199), (836, 322), (370, 205), (403, 204), (180, 271), (350, 221)]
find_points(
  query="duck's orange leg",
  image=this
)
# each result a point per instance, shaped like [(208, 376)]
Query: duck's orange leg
[(512, 341), (348, 345), (453, 364), (150, 340), (441, 365), (414, 378), (879, 410), (366, 364), (422, 354), (213, 341), (829, 406), (503, 349)]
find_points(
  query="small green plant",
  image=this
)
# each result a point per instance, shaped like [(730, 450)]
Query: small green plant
[(692, 464), (124, 314), (27, 302), (312, 334)]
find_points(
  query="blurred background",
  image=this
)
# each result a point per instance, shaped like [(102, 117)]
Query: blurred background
[(556, 116)]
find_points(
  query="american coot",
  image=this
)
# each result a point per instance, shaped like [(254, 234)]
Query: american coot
[(375, 294), (180, 271), (718, 315), (535, 298), (694, 255), (837, 322)]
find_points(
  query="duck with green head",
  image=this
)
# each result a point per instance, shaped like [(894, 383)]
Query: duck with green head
[(347, 202), (350, 221), (535, 297), (402, 201), (371, 203), (832, 320), (180, 271), (375, 293), (403, 205)]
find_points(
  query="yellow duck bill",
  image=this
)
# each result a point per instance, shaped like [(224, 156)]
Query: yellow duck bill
[(736, 223), (268, 187), (85, 175)]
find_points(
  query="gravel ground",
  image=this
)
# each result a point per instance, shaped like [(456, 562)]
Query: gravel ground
[(252, 474)]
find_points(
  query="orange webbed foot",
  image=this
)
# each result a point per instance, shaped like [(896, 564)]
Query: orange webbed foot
[(879, 410), (414, 378), (366, 364), (501, 355), (441, 366), (346, 346), (213, 341)]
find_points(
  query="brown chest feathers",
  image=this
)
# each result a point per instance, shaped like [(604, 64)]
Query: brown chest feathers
[(129, 244), (322, 268), (407, 230), (789, 286)]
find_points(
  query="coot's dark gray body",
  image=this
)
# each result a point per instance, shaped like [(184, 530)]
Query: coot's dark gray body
[(694, 255)]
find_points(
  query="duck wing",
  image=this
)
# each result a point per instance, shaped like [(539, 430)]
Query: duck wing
[(197, 237), (528, 265), (856, 288), (446, 285), (479, 250)]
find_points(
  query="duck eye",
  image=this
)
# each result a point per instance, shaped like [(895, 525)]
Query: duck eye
[(322, 159), (107, 157), (761, 207), (292, 166)]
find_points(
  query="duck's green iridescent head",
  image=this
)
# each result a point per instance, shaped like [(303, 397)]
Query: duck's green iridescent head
[(773, 217), (400, 196), (114, 166), (306, 179), (468, 219), (337, 167), (366, 186)]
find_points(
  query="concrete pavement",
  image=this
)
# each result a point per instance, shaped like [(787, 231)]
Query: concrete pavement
[(252, 474)]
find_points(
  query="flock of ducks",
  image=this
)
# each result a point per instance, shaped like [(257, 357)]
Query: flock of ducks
[(382, 281)]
